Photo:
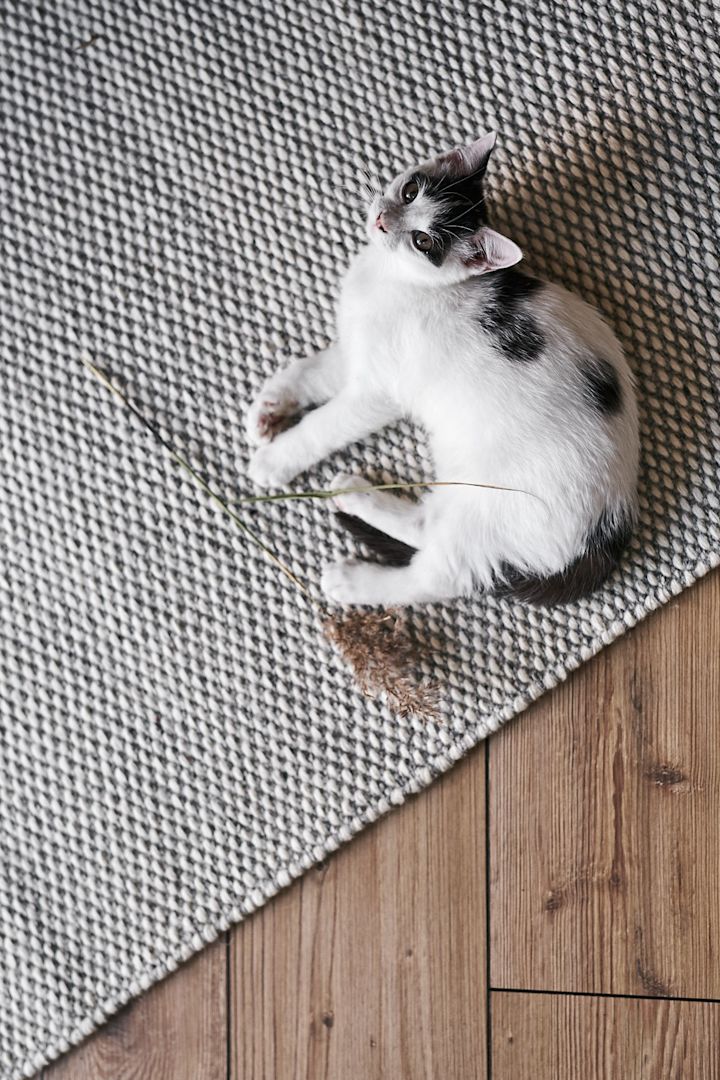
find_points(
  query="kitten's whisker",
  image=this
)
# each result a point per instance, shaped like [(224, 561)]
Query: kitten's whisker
[(473, 207), (370, 189), (459, 195), (454, 228), (370, 180)]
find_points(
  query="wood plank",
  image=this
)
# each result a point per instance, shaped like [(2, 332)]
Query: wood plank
[(605, 818), (176, 1031), (373, 965), (559, 1037)]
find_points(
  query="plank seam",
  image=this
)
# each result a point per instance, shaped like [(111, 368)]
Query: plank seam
[(600, 994), (488, 980)]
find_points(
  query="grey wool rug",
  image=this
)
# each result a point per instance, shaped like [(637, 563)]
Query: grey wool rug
[(179, 196)]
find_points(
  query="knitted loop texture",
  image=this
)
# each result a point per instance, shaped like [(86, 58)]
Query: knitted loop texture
[(180, 193)]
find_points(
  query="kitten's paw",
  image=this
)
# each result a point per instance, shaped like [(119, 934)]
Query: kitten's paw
[(270, 413), (271, 466), (342, 581), (349, 502)]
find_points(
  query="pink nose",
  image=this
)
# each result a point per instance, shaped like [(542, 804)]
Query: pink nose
[(380, 224)]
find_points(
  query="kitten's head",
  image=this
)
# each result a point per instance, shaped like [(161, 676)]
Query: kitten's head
[(432, 221)]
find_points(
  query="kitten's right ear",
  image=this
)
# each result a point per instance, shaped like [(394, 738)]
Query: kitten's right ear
[(491, 251), (473, 158)]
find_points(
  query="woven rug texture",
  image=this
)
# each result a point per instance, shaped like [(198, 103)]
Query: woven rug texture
[(179, 196)]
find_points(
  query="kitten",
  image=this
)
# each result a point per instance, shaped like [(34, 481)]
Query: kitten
[(517, 382)]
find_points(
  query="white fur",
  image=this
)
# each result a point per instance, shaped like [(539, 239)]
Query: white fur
[(410, 344)]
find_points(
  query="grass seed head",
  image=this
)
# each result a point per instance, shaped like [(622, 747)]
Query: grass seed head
[(384, 658)]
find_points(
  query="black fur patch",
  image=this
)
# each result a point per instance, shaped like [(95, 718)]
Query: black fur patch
[(460, 208), (504, 314), (601, 386), (439, 250), (512, 286), (393, 552), (603, 548)]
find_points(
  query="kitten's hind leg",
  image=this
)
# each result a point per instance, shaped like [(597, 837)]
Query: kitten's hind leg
[(425, 580), (392, 514)]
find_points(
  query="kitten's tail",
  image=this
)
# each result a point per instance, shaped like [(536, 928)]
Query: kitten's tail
[(603, 547)]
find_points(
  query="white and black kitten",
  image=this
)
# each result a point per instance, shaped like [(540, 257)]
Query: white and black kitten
[(517, 382)]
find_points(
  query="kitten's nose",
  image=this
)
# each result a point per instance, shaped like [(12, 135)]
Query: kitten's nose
[(380, 224)]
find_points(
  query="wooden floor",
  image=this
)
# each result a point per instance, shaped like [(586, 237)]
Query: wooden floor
[(550, 910)]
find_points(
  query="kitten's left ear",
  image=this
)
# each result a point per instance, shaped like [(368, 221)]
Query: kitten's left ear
[(491, 251), (473, 158)]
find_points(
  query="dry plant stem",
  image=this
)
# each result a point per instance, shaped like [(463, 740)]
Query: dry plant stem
[(376, 648), (199, 480), (330, 493)]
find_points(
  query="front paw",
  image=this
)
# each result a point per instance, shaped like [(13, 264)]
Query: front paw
[(270, 413), (271, 466)]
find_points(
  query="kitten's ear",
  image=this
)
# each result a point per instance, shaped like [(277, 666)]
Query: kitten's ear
[(472, 158), (491, 251)]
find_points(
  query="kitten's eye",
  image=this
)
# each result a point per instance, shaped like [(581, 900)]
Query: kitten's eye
[(409, 192), (422, 241)]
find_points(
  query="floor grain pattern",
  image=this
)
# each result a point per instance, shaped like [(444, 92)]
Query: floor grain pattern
[(567, 1037), (373, 966), (605, 822)]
